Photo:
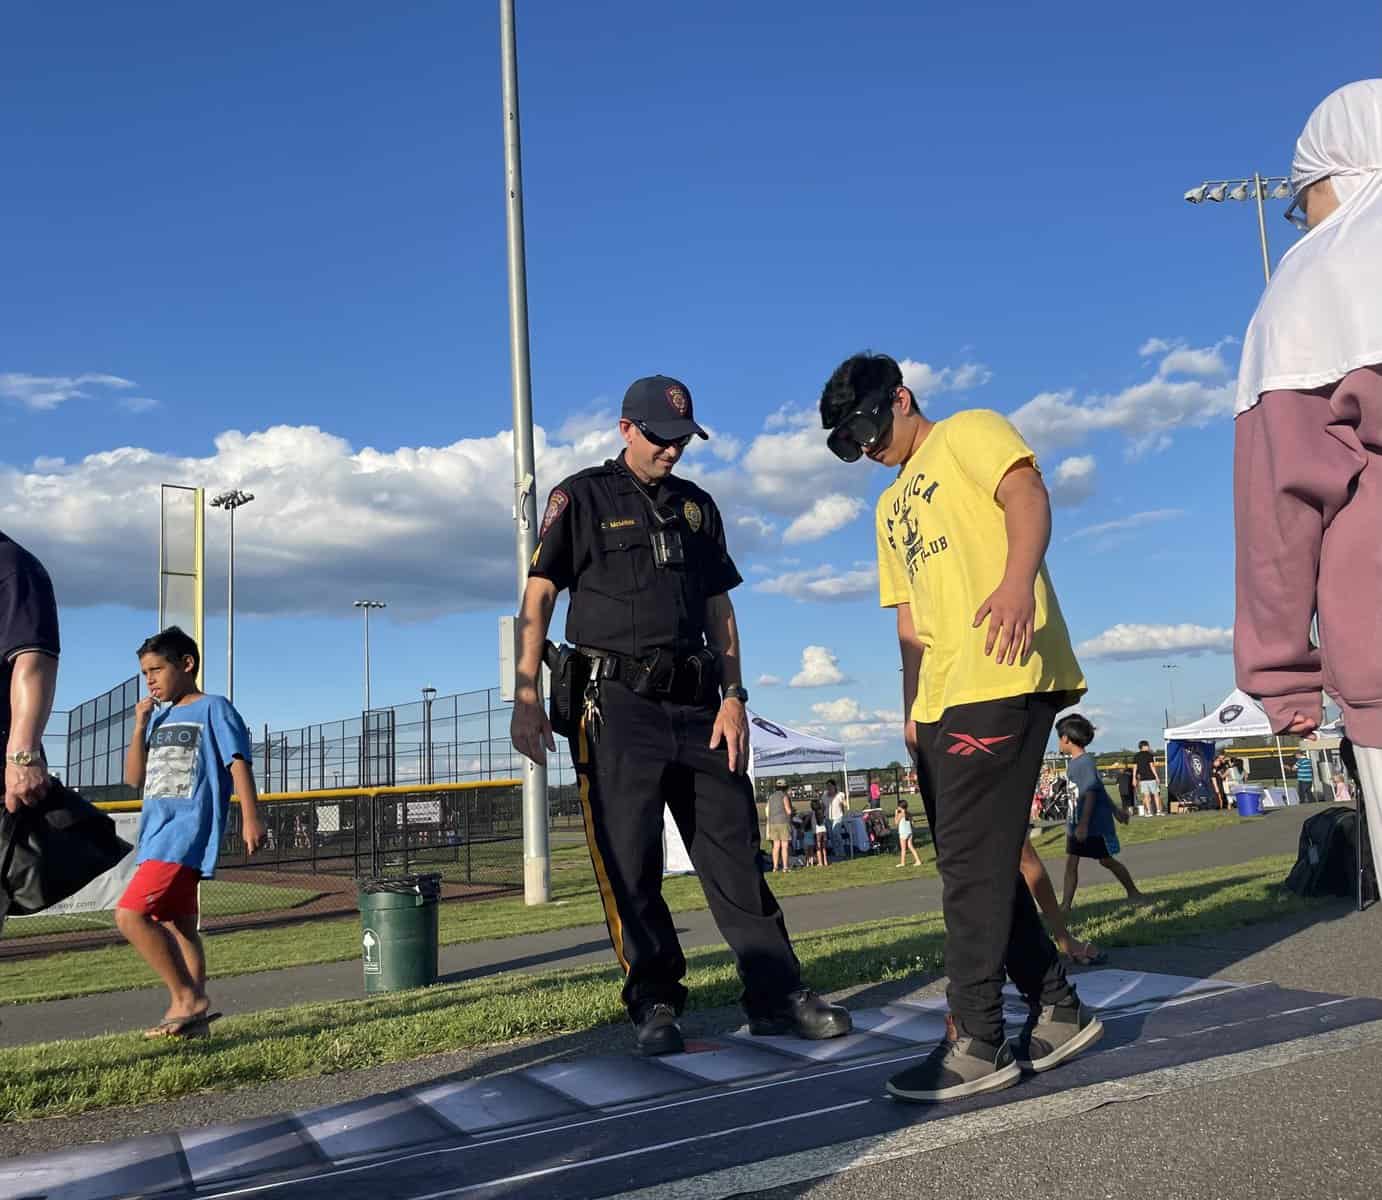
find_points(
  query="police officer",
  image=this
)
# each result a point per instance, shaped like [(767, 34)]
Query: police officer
[(652, 700)]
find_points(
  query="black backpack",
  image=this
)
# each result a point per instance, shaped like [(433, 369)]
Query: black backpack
[(1327, 864)]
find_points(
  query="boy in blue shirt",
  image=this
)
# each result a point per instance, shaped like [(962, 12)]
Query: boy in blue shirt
[(188, 757), (1090, 832)]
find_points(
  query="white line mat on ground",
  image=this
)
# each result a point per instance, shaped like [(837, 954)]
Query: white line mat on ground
[(572, 1088)]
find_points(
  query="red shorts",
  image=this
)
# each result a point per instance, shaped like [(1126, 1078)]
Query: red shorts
[(162, 890)]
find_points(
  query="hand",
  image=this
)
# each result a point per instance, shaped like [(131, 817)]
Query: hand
[(1011, 611), (24, 785), (1081, 833), (252, 829), (144, 710), (1301, 725), (732, 727), (909, 737), (531, 731)]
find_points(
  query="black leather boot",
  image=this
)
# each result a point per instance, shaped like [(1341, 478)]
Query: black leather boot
[(806, 1015), (658, 1031)]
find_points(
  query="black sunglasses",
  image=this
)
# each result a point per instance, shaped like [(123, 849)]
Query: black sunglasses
[(663, 443)]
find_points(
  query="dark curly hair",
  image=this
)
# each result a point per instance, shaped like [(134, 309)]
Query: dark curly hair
[(858, 378)]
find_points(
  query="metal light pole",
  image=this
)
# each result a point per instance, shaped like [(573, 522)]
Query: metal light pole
[(429, 693), (1256, 188), (536, 861), (1171, 683), (366, 605), (230, 501)]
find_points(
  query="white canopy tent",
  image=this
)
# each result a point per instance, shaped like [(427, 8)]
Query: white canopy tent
[(1238, 715), (770, 745)]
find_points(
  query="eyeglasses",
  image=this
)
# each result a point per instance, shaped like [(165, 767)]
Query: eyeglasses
[(866, 428), (663, 443), (1295, 212)]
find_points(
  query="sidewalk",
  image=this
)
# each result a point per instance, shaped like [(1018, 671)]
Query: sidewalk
[(114, 1012)]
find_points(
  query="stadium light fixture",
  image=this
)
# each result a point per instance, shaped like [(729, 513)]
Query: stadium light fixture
[(366, 606), (230, 501), (1258, 188)]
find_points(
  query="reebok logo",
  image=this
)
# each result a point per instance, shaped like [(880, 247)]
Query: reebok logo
[(967, 744)]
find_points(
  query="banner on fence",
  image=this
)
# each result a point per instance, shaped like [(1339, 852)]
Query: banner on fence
[(101, 894)]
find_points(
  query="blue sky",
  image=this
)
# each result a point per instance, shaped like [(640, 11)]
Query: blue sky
[(264, 246)]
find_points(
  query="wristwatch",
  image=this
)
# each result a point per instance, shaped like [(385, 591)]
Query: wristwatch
[(25, 758), (735, 692)]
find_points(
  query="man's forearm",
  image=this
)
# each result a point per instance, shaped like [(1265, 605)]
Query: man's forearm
[(32, 688), (910, 650), (722, 629), (534, 619), (1027, 520)]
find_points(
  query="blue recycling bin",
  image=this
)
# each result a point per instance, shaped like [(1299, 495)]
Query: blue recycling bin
[(1249, 802)]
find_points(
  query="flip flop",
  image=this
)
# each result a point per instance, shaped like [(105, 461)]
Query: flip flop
[(198, 1025)]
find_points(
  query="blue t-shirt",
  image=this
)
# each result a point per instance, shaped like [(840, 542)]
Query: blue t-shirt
[(1305, 770), (1090, 790), (187, 785)]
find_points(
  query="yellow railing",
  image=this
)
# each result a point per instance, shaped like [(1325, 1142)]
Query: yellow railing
[(342, 793)]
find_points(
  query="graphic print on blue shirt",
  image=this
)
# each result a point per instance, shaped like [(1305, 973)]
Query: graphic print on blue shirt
[(187, 784), (1089, 789)]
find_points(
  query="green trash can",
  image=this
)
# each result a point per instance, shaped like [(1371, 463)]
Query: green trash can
[(399, 938)]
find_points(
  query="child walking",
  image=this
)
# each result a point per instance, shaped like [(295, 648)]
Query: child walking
[(1090, 832), (903, 820), (189, 757)]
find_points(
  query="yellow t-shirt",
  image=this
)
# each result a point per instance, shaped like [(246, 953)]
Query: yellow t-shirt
[(943, 548)]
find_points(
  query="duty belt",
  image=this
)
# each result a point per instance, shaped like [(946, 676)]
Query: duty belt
[(682, 678)]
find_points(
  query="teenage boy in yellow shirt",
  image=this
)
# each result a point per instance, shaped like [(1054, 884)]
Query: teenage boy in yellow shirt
[(986, 666)]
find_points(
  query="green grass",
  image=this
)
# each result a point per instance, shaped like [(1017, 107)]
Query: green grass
[(576, 903), (219, 898), (63, 1078)]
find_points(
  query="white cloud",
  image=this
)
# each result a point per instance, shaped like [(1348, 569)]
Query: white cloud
[(847, 709), (837, 712), (1072, 482), (819, 668), (768, 681), (870, 733), (1146, 413), (43, 393), (1208, 362), (922, 379), (1154, 346), (1134, 521), (328, 519), (139, 404), (824, 517), (823, 583), (1153, 641)]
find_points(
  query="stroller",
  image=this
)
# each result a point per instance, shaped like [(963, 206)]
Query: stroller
[(1055, 806)]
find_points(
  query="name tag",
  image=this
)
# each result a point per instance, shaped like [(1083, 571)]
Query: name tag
[(619, 523)]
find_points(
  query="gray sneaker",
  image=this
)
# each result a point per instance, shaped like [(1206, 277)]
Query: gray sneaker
[(959, 1066), (1055, 1033)]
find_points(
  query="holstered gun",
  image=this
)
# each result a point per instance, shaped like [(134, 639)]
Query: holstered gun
[(570, 671)]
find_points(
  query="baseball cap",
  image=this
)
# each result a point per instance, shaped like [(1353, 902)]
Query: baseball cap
[(662, 405)]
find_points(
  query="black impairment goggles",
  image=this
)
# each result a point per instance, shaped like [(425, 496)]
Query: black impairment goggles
[(866, 428)]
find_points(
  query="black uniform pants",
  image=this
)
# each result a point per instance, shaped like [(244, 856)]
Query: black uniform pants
[(977, 769), (644, 754)]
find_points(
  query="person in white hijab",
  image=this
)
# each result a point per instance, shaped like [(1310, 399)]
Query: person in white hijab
[(1308, 448)]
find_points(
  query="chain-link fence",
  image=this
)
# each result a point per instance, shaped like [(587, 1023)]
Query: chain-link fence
[(318, 845), (460, 738)]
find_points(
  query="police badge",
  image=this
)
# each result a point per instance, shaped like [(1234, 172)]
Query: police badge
[(692, 512)]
